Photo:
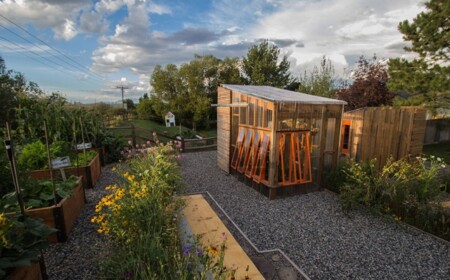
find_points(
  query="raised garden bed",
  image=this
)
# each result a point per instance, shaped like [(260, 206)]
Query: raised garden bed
[(35, 271), (63, 215), (89, 173)]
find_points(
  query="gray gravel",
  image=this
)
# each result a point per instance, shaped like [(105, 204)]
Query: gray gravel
[(78, 257), (314, 232)]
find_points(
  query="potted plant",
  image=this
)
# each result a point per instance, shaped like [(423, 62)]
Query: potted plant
[(22, 238), (58, 212)]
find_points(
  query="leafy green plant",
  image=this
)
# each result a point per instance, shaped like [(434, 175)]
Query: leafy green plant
[(39, 193), (404, 189), (6, 183), (337, 178), (33, 156), (82, 160), (21, 240), (362, 185)]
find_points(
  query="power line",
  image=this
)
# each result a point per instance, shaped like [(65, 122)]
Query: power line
[(75, 64), (35, 59)]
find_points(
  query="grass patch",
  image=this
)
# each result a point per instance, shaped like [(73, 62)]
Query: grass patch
[(441, 150), (160, 128)]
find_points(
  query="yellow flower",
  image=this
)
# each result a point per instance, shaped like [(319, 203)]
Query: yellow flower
[(99, 230), (212, 250), (113, 168)]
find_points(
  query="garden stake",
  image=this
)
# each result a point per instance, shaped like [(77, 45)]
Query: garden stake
[(82, 139), (50, 162), (12, 163)]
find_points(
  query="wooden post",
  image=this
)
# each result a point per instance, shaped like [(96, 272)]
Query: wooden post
[(323, 136), (133, 134), (274, 154)]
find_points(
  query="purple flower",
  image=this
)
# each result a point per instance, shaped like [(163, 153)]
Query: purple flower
[(148, 142), (128, 274), (186, 249), (199, 251)]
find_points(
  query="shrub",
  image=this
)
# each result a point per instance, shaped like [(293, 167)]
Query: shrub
[(337, 178), (403, 189)]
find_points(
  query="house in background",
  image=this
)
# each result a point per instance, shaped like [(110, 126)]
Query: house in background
[(169, 119)]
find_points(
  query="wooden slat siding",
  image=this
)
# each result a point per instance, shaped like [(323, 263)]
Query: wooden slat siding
[(385, 132), (322, 145), (223, 129)]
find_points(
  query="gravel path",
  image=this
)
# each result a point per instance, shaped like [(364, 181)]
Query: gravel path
[(314, 232), (311, 229), (78, 257)]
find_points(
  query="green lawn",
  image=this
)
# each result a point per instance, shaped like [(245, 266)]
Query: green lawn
[(161, 128), (441, 150)]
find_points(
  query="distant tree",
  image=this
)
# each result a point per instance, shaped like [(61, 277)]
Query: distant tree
[(228, 71), (13, 87), (261, 66), (130, 104), (8, 96), (188, 91), (103, 108), (369, 87), (425, 80), (145, 96), (145, 109), (320, 81)]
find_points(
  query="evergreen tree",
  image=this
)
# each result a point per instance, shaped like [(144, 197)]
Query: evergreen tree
[(261, 66), (425, 80)]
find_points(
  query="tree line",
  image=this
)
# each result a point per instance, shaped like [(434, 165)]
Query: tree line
[(188, 90)]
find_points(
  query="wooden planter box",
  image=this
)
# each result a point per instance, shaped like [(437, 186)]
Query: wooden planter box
[(90, 173), (102, 155), (61, 216), (29, 272)]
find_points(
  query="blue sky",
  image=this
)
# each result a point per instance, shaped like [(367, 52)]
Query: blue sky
[(108, 43)]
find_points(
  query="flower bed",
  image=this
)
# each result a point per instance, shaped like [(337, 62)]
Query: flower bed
[(89, 173), (61, 216), (140, 215)]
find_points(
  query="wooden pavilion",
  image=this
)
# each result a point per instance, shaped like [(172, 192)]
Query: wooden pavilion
[(277, 138)]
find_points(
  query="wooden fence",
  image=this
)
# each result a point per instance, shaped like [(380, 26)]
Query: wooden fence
[(381, 132), (139, 135)]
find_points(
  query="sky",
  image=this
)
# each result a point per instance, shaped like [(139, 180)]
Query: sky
[(85, 49)]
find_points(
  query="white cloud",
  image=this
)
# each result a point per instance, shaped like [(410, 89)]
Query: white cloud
[(340, 30), (66, 31), (61, 16)]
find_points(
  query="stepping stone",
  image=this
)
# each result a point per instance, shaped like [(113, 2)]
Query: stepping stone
[(287, 273), (276, 258), (265, 267)]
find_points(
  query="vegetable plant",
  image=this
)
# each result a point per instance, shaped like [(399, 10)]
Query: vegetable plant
[(39, 193), (21, 240)]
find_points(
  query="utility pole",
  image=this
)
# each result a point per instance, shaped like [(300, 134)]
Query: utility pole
[(122, 88)]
